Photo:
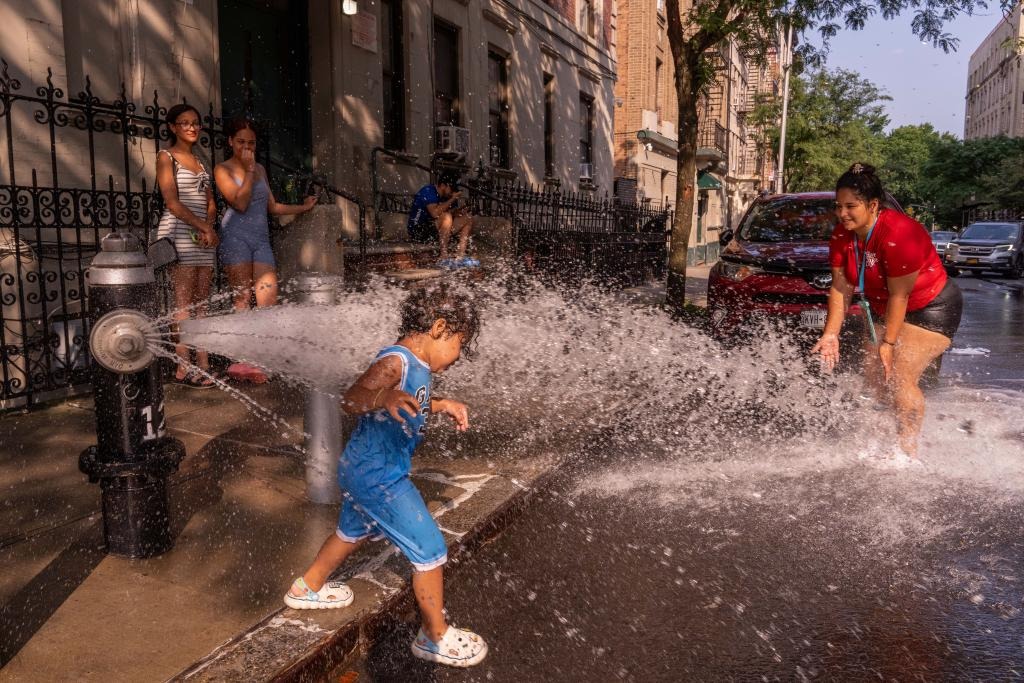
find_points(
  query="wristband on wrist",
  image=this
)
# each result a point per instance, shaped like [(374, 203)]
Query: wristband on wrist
[(379, 392)]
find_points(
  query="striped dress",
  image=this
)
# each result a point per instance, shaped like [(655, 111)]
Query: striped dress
[(192, 188)]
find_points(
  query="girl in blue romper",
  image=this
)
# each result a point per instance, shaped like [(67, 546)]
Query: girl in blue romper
[(393, 401)]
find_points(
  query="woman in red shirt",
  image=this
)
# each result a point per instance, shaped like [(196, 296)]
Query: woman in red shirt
[(913, 309)]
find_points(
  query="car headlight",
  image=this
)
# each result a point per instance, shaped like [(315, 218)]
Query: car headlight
[(952, 248), (737, 272), (1003, 247)]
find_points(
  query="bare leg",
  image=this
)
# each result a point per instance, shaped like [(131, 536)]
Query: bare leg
[(462, 225), (428, 587), (202, 282), (265, 284), (874, 373), (444, 232), (916, 347), (332, 553), (240, 280), (181, 279)]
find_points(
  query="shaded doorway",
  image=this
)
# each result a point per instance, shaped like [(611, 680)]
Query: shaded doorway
[(264, 72)]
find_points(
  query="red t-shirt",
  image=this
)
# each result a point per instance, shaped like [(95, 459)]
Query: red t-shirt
[(898, 246)]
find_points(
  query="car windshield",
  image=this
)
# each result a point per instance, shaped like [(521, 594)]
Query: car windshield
[(991, 231), (788, 219), (942, 236)]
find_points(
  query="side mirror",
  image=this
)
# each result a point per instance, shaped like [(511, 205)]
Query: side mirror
[(725, 236)]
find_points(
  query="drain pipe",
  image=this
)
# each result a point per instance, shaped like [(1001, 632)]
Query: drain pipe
[(323, 412), (133, 455)]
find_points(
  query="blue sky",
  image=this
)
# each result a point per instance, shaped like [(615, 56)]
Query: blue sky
[(926, 85)]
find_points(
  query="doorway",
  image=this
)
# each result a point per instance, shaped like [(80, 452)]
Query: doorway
[(264, 73)]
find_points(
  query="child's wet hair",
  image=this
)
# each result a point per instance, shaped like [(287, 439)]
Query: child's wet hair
[(423, 307)]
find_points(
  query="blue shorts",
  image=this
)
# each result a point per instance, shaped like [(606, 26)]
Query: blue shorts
[(238, 247), (395, 510)]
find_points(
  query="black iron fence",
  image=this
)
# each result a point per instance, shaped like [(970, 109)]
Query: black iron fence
[(580, 235), (72, 168), (987, 213), (572, 234)]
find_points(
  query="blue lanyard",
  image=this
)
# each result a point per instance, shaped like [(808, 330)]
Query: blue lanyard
[(861, 262)]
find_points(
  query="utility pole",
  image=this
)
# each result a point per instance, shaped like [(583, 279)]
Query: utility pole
[(786, 60)]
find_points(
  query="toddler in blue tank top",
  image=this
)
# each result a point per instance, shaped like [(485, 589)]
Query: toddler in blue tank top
[(393, 400)]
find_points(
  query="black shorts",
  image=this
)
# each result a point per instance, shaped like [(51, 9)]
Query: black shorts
[(425, 231), (941, 314)]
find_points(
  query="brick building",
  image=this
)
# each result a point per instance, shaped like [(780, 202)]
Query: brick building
[(732, 161), (995, 82), (529, 82)]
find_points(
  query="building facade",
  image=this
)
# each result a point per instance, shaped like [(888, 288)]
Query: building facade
[(995, 82), (520, 87), (733, 162)]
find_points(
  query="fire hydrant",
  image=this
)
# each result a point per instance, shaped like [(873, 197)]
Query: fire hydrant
[(133, 455)]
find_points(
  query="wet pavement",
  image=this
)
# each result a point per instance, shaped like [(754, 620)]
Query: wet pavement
[(989, 346), (792, 561), (588, 586)]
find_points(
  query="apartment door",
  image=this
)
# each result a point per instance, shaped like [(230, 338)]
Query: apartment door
[(264, 72)]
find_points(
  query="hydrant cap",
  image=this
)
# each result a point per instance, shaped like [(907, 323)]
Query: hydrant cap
[(121, 261)]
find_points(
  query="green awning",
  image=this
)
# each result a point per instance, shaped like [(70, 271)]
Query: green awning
[(706, 181)]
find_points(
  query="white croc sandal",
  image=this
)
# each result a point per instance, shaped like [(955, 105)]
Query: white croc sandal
[(457, 647), (333, 594)]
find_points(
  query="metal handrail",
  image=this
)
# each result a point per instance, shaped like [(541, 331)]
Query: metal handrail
[(318, 181)]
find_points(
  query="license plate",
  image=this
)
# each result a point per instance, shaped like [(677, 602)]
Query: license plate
[(972, 261), (814, 317)]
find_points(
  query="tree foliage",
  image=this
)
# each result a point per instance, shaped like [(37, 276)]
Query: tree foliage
[(696, 26), (984, 172), (835, 118)]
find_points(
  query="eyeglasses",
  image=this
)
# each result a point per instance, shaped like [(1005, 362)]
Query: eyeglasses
[(194, 125)]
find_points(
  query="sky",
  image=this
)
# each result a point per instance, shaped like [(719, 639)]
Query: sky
[(926, 84)]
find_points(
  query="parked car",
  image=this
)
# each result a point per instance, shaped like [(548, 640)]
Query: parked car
[(988, 245), (775, 265), (941, 239)]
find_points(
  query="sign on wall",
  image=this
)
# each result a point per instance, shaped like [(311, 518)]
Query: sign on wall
[(364, 31)]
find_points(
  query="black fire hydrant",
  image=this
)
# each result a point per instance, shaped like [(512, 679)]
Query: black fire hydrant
[(133, 455)]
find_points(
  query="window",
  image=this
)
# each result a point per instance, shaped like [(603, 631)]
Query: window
[(549, 126), (446, 74), (657, 87), (586, 129), (497, 109), (588, 18), (393, 62)]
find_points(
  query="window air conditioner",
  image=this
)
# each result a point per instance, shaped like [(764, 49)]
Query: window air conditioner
[(586, 171), (451, 140)]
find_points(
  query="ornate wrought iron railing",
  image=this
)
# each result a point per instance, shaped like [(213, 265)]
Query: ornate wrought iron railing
[(72, 168)]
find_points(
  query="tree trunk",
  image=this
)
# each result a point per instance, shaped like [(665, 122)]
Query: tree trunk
[(687, 89)]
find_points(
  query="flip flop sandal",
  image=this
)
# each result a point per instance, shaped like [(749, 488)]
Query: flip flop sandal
[(457, 647), (332, 595), (243, 372), (194, 380)]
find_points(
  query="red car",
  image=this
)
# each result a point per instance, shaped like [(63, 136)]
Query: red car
[(774, 267)]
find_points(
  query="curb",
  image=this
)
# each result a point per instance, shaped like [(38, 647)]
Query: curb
[(252, 656)]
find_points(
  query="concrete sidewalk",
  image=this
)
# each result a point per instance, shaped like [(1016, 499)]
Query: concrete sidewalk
[(210, 609), (653, 294), (244, 531)]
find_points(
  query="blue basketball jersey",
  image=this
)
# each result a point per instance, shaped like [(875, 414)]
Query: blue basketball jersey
[(382, 447)]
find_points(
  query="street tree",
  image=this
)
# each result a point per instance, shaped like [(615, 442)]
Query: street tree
[(906, 153), (834, 117), (1004, 185), (694, 27), (960, 174)]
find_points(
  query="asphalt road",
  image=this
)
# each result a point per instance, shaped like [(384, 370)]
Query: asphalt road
[(795, 562), (987, 349)]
